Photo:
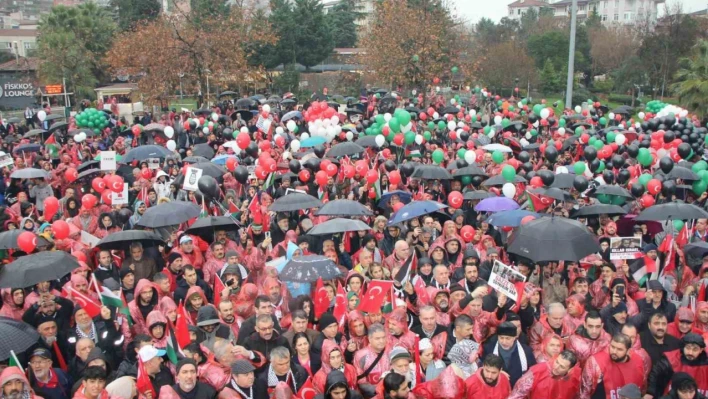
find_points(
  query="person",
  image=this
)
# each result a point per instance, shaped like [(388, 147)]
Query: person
[(281, 369), (558, 378), (396, 387), (655, 340), (146, 298), (690, 358), (152, 360), (248, 327), (94, 385), (15, 385), (336, 387), (299, 325), (46, 381), (243, 384), (102, 330), (589, 339), (629, 391), (143, 267), (211, 327), (332, 360), (329, 331), (190, 279), (489, 381), (553, 322), (370, 362), (107, 273), (516, 356), (78, 363), (263, 341), (187, 385), (606, 372), (683, 386), (430, 368)]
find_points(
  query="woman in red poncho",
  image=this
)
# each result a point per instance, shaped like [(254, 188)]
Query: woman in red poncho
[(333, 359), (448, 385)]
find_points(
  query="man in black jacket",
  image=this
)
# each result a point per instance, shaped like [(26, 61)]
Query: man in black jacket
[(102, 330), (264, 340), (329, 329), (263, 307), (187, 386), (691, 358), (106, 272), (655, 302), (244, 382), (655, 340), (46, 308), (282, 369), (189, 280)]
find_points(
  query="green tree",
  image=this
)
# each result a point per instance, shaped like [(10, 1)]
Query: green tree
[(342, 19), (549, 79), (691, 85), (312, 33), (283, 23), (551, 46), (72, 43), (130, 12), (208, 9)]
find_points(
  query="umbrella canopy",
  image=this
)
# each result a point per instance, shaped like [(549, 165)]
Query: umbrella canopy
[(598, 209), (288, 101), (343, 207), (312, 142), (553, 239), (294, 202), (27, 148), (478, 195), (211, 169), (245, 103), (612, 190), (697, 249), (471, 170), (154, 127), (8, 239), (496, 204), (345, 149), (367, 141), (146, 151), (672, 211), (57, 126), (36, 268), (195, 159), (203, 111), (510, 218), (14, 119), (34, 132), (53, 117), (308, 268), (338, 225), (169, 214), (205, 227), (431, 172), (405, 197), (413, 210), (227, 93), (679, 172), (88, 165), (203, 150), (499, 180), (245, 115), (555, 193), (88, 174), (17, 337), (221, 159), (563, 181), (29, 173), (123, 239)]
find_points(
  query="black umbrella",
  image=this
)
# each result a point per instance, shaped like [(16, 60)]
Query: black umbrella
[(563, 181), (88, 174), (169, 214), (227, 93), (696, 250), (57, 126), (553, 239), (288, 101), (245, 103), (88, 165), (367, 141), (27, 148), (17, 337), (308, 268), (29, 173), (499, 180), (294, 202), (471, 170), (195, 159), (144, 152), (245, 115), (203, 150), (431, 172), (13, 120), (211, 169), (482, 140), (52, 117), (279, 176), (623, 109), (598, 209), (338, 225), (555, 193), (8, 239), (450, 110), (205, 227), (343, 207), (672, 211), (36, 268), (345, 149), (532, 147), (34, 132), (679, 172), (123, 239), (612, 190), (203, 111), (478, 195)]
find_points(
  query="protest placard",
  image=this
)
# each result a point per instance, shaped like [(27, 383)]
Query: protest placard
[(625, 247), (191, 179), (503, 279)]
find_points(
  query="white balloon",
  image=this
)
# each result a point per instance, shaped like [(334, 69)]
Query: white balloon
[(291, 125), (491, 133), (380, 140), (620, 139), (520, 105), (473, 112), (214, 116), (387, 117), (451, 125), (545, 113), (470, 156), (436, 115), (528, 135), (329, 131), (578, 108), (305, 136), (83, 136), (453, 101), (407, 127), (561, 130), (337, 129), (418, 139), (524, 142), (266, 124), (266, 108), (244, 129), (295, 145), (683, 113), (641, 115), (41, 115), (437, 88), (350, 136), (279, 130), (636, 125), (535, 124), (318, 123), (326, 122), (335, 119), (561, 169), (205, 130), (611, 115), (77, 138), (497, 120), (169, 131), (509, 190), (171, 145), (286, 155), (460, 124)]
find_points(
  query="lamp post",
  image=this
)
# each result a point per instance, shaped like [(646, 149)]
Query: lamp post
[(571, 55)]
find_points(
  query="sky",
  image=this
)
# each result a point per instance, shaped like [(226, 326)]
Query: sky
[(473, 10)]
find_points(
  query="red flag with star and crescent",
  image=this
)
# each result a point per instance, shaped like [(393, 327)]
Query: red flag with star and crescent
[(340, 305), (375, 295), (307, 391), (321, 302), (539, 202)]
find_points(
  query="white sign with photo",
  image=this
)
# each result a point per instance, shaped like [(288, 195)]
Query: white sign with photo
[(191, 178), (5, 159), (108, 160), (153, 163), (625, 247), (503, 278), (89, 239), (120, 198)]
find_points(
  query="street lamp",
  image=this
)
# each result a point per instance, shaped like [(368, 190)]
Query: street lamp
[(207, 76), (181, 94)]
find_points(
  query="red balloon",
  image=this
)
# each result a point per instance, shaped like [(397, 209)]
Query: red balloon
[(280, 141), (51, 206), (397, 206), (349, 171), (558, 144), (243, 140), (423, 116), (116, 184), (646, 201), (398, 139), (269, 165), (361, 167), (372, 193), (654, 186), (536, 182), (88, 201), (394, 177), (507, 229), (71, 175), (467, 233), (136, 130), (431, 111), (27, 241), (453, 135), (231, 164), (107, 181), (321, 178), (107, 197), (454, 199), (386, 131), (264, 146), (80, 256), (527, 219), (372, 176), (324, 164), (331, 170), (60, 229), (260, 172), (386, 153), (186, 125), (304, 175), (145, 173), (98, 184)]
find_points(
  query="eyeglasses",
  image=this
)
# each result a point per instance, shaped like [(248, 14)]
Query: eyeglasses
[(40, 362), (265, 329)]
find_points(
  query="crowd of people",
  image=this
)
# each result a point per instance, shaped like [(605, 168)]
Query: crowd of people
[(210, 315)]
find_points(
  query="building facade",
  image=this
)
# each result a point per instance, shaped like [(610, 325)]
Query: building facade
[(612, 12), (520, 7)]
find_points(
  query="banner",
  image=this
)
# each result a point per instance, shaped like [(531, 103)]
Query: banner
[(503, 279), (108, 160), (625, 247), (191, 178), (5, 159), (153, 163), (120, 198)]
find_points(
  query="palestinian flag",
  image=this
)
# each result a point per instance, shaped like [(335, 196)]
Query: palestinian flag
[(14, 361), (642, 268), (205, 212), (109, 298), (409, 266), (269, 181), (174, 351)]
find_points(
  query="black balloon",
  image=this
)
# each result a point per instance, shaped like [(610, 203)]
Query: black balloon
[(241, 174), (527, 166), (247, 161), (666, 164), (590, 153), (530, 175), (623, 176), (390, 166), (594, 165), (551, 154), (668, 188), (208, 186), (547, 177), (294, 166), (523, 157), (608, 176), (407, 169), (319, 151), (124, 215), (660, 177), (637, 189), (464, 136), (192, 125), (669, 136), (477, 180), (617, 161), (633, 151), (580, 183), (313, 164), (252, 149)]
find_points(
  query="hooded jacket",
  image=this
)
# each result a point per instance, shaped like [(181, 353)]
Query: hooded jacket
[(476, 387), (14, 373), (659, 382), (139, 322), (539, 383), (683, 314), (321, 380), (155, 318), (336, 378), (584, 347), (9, 309)]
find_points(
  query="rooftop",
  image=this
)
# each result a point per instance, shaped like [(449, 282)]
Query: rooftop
[(528, 3), (19, 32), (24, 64)]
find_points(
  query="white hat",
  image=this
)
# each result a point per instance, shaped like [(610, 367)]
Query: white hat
[(185, 238), (148, 352), (424, 344)]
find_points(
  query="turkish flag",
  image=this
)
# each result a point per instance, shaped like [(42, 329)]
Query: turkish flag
[(372, 300), (420, 291), (143, 383), (321, 301), (218, 287), (540, 202), (307, 391), (181, 327), (91, 307), (340, 305)]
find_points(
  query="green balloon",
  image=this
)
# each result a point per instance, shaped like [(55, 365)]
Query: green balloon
[(524, 101), (499, 103), (611, 137), (461, 153), (592, 140), (603, 198), (508, 173), (409, 138), (403, 117), (380, 119), (394, 125), (646, 160), (678, 225), (703, 175), (534, 132), (601, 168), (415, 58), (466, 180), (618, 200), (603, 121), (579, 168), (236, 132), (699, 166), (454, 69), (537, 109), (441, 125), (562, 122), (505, 122), (699, 187), (497, 157), (438, 156), (598, 144), (487, 129), (579, 130), (644, 179), (427, 135), (431, 125), (97, 131)]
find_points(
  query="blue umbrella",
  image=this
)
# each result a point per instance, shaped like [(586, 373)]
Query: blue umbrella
[(415, 209), (312, 142), (510, 218), (291, 115), (402, 195), (496, 204), (221, 159)]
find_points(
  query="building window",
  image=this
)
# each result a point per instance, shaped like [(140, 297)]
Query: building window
[(30, 45), (581, 8), (604, 4), (518, 11), (604, 17), (628, 16), (617, 4), (617, 17)]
